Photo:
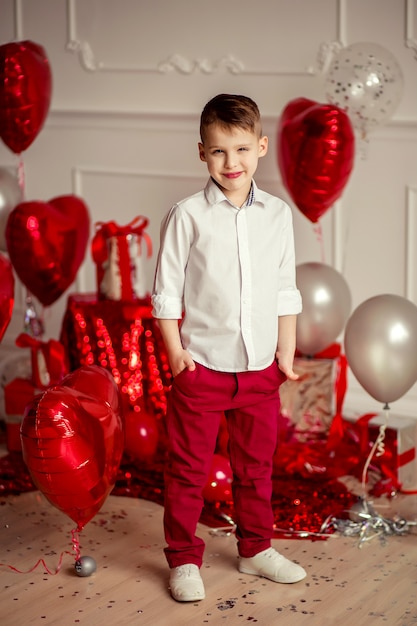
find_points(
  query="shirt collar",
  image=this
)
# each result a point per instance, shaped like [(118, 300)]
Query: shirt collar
[(214, 195)]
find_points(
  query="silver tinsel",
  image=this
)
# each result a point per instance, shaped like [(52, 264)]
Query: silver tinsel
[(365, 523)]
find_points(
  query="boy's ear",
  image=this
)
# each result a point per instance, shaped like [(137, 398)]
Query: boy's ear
[(201, 152), (263, 146)]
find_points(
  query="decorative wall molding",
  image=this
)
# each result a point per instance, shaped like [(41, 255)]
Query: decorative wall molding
[(410, 238), (181, 64), (338, 241), (404, 129), (328, 49), (177, 62), (410, 27), (18, 20)]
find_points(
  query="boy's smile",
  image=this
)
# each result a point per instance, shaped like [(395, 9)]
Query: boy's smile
[(233, 175), (232, 156)]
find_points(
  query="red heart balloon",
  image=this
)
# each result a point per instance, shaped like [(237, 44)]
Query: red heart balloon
[(47, 242), (25, 93), (315, 150), (72, 441), (141, 435), (6, 293)]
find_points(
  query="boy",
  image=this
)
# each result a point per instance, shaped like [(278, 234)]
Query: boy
[(226, 268)]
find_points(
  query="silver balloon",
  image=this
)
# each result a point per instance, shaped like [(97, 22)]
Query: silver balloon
[(326, 306), (381, 346), (10, 196)]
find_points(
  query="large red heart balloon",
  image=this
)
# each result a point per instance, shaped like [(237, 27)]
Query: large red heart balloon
[(72, 441), (25, 93), (47, 242), (6, 293), (315, 150)]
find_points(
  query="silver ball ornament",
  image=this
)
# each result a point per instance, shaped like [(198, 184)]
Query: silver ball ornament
[(85, 566)]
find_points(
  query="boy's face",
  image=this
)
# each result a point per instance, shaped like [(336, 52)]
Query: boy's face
[(232, 158)]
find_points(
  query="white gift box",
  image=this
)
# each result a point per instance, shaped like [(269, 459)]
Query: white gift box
[(398, 444)]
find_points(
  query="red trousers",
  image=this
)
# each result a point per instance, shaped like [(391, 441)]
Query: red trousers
[(198, 399)]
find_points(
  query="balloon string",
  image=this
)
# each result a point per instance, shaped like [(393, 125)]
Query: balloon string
[(76, 542), (319, 235), (39, 562), (378, 449), (75, 537), (21, 176)]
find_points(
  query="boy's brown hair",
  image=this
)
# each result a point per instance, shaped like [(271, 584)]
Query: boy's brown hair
[(229, 110)]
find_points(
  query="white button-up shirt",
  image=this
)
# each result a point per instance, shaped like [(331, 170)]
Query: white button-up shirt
[(229, 272)]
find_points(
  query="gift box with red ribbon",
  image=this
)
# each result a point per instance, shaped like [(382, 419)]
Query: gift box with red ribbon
[(394, 460), (48, 365), (311, 402), (118, 252), (17, 394)]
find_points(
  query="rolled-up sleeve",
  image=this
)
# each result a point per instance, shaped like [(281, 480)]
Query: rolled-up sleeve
[(168, 288), (289, 297), (166, 307), (289, 302)]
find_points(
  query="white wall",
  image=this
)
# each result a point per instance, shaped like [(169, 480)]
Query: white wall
[(130, 78)]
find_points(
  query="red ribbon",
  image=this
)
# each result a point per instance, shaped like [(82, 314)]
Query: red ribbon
[(348, 444), (99, 249), (54, 354), (316, 459), (331, 352)]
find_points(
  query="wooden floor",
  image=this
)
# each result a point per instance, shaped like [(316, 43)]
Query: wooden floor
[(349, 585)]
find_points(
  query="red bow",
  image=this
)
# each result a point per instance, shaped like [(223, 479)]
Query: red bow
[(53, 353)]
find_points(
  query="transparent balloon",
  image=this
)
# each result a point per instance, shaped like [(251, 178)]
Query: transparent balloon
[(366, 81), (326, 306), (381, 346)]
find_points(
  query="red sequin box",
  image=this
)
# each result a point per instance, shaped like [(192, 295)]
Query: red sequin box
[(124, 338), (398, 460)]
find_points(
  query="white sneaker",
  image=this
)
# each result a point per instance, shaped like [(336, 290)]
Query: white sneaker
[(186, 584), (271, 564)]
